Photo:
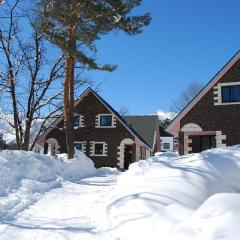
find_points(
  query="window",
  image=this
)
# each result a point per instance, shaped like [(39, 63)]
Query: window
[(98, 149), (106, 120), (78, 146), (231, 93), (166, 145), (76, 121)]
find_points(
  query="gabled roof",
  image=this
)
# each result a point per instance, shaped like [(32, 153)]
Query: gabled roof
[(164, 133), (42, 138), (174, 126), (145, 125)]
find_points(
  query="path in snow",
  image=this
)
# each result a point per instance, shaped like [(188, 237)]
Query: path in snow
[(71, 212)]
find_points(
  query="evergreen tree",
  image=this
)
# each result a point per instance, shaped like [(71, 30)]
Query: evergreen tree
[(74, 26)]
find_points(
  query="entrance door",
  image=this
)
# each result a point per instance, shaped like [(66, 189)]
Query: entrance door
[(208, 142), (128, 155)]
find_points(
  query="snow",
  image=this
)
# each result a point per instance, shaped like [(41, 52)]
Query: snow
[(165, 197), (25, 175), (162, 115), (5, 128)]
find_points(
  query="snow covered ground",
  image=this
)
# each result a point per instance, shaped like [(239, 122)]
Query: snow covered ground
[(165, 197)]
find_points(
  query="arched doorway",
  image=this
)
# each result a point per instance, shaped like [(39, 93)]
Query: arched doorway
[(125, 153), (53, 147)]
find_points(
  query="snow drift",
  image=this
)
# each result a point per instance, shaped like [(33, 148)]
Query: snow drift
[(25, 175), (189, 197)]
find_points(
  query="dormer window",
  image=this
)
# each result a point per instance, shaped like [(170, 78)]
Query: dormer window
[(231, 94)]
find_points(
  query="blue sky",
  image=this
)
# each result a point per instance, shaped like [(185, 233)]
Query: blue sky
[(186, 41)]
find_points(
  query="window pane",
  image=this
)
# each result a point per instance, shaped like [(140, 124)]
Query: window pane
[(78, 146), (98, 149), (226, 94), (76, 121), (105, 120), (166, 145), (235, 94)]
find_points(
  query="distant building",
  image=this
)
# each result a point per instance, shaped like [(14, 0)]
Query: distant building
[(167, 140)]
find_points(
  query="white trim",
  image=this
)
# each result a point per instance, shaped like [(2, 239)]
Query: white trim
[(218, 93), (83, 145), (174, 126), (98, 117), (186, 146), (53, 147), (219, 139), (126, 141), (191, 127), (92, 149)]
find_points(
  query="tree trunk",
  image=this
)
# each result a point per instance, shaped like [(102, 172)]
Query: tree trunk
[(68, 105), (26, 138)]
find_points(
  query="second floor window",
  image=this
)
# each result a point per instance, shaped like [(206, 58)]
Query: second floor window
[(231, 93), (76, 121), (106, 120)]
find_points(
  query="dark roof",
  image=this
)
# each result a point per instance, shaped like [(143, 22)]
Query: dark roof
[(164, 133), (145, 126)]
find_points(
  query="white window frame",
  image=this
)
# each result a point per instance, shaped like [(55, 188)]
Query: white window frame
[(92, 149), (83, 145), (98, 118), (218, 93)]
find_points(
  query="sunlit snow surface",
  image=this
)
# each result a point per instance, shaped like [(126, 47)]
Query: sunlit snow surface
[(164, 197)]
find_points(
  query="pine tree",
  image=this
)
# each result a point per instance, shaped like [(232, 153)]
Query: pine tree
[(74, 26)]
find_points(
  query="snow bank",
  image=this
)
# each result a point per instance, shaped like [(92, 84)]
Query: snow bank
[(5, 129), (163, 196), (25, 175), (167, 154), (217, 218)]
